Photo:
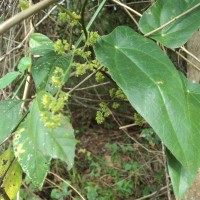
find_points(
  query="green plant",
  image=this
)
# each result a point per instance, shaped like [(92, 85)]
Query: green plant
[(44, 131), (152, 84), (61, 193), (145, 76)]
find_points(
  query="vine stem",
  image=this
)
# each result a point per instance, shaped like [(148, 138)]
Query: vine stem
[(27, 27), (91, 21), (83, 20)]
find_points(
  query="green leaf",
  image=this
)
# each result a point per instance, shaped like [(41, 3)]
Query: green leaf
[(44, 67), (24, 64), (33, 162), (57, 143), (156, 90), (45, 144), (180, 177), (8, 78), (9, 115), (10, 173), (40, 44), (177, 33)]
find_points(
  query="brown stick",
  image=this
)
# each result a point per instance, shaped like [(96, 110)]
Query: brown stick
[(25, 14)]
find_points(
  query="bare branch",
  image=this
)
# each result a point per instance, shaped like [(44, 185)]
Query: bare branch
[(25, 14)]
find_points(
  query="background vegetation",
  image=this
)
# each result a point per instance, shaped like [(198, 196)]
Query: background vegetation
[(118, 155)]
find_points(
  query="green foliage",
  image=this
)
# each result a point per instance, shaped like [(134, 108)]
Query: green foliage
[(180, 30), (61, 46), (44, 68), (10, 174), (61, 193), (8, 78), (145, 76), (153, 92), (24, 64), (149, 134), (46, 144), (10, 114), (40, 44)]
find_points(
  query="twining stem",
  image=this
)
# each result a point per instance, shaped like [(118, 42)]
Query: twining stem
[(83, 20)]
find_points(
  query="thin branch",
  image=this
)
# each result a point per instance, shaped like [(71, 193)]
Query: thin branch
[(129, 14), (28, 35), (85, 79), (173, 20), (152, 194), (127, 7), (16, 19), (189, 53), (127, 126), (188, 61), (71, 186), (89, 87)]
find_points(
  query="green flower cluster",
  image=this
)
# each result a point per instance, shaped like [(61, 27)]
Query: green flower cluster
[(92, 38), (58, 77), (101, 115), (53, 105), (64, 17), (99, 77), (61, 46), (51, 120), (117, 93), (81, 68), (52, 115), (115, 105), (72, 21)]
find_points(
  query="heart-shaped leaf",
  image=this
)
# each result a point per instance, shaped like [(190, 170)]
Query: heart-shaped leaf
[(179, 31), (45, 144), (156, 90)]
